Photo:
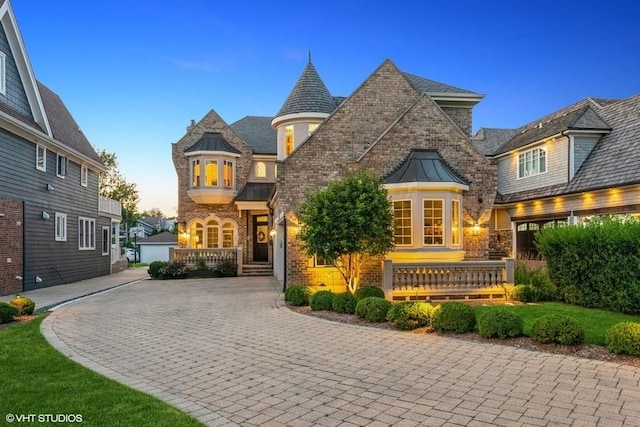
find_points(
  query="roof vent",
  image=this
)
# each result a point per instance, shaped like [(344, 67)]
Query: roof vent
[(539, 125)]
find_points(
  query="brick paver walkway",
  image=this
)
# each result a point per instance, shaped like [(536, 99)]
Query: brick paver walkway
[(224, 351)]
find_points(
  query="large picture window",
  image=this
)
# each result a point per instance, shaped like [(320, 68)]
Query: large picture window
[(402, 229), (433, 231), (532, 162)]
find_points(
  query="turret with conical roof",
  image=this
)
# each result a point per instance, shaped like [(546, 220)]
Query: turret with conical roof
[(308, 104)]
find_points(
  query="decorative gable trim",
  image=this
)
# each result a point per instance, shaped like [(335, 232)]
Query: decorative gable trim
[(16, 43)]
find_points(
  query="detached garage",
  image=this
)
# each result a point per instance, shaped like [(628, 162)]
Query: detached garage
[(156, 247)]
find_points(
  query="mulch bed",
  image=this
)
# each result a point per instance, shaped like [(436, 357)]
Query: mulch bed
[(586, 351)]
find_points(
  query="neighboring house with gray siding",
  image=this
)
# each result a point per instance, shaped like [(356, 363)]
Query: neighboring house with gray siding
[(56, 227)]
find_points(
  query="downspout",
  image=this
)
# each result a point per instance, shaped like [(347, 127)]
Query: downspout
[(284, 257), (569, 157)]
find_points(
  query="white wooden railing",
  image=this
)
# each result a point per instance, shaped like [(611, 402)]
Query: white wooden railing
[(468, 279), (109, 206), (212, 256)]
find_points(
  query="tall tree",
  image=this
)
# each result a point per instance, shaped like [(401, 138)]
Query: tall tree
[(348, 223), (114, 186)]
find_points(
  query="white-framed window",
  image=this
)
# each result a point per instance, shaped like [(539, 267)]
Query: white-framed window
[(318, 261), (227, 174), (61, 227), (41, 158), (3, 73), (532, 162), (261, 170), (106, 241), (196, 235), (86, 233), (84, 175), (228, 235), (455, 222), (402, 228), (288, 140), (195, 173), (211, 173), (433, 220), (213, 234), (62, 163)]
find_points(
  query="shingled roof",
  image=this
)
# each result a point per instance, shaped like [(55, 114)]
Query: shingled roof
[(424, 166), (432, 87), (309, 95), (212, 141), (257, 132), (490, 140)]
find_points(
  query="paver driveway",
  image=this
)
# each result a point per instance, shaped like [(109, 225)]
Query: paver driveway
[(225, 351)]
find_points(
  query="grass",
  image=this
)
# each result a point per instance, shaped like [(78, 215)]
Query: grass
[(36, 379), (595, 322)]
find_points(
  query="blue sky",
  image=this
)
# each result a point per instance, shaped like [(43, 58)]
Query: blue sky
[(134, 73)]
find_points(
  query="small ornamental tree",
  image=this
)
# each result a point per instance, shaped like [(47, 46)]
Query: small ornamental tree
[(348, 223)]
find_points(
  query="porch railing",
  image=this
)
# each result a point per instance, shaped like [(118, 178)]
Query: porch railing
[(456, 280), (212, 256), (109, 206)]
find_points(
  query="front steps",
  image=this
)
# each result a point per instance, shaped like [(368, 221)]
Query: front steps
[(257, 270)]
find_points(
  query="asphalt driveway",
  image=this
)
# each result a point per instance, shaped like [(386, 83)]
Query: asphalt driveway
[(226, 351)]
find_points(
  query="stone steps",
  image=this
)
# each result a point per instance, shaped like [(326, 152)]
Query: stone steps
[(257, 270)]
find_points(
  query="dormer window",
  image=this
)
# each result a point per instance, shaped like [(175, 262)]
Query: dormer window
[(532, 162)]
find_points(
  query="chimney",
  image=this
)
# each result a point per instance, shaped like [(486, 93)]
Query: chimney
[(191, 125)]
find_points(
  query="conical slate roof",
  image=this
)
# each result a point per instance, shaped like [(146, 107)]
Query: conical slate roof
[(309, 95), (424, 166), (212, 141)]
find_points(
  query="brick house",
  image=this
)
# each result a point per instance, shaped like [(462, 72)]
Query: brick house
[(55, 226), (414, 132)]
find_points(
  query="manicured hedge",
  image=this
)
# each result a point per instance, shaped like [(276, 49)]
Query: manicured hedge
[(595, 265)]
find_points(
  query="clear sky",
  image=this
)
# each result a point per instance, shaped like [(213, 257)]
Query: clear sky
[(135, 72)]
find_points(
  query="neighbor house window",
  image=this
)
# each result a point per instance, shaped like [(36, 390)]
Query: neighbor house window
[(211, 173), (62, 164), (261, 170), (3, 73), (227, 174), (288, 140), (84, 175), (402, 230), (195, 173), (61, 227), (105, 240), (455, 222), (86, 233), (433, 231), (41, 158), (532, 162)]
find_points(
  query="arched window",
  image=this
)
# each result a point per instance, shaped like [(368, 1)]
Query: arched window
[(196, 235), (228, 235), (261, 170), (213, 234)]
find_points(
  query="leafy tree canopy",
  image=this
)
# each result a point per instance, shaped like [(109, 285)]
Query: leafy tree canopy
[(348, 223), (114, 186)]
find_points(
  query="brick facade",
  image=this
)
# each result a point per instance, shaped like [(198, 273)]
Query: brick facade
[(376, 128), (11, 246)]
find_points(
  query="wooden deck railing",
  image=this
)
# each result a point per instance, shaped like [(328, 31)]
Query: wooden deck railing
[(468, 279), (212, 256)]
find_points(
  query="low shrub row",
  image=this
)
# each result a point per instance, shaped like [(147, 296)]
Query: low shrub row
[(178, 270), (18, 306)]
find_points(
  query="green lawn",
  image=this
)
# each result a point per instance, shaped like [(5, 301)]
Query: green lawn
[(36, 379), (595, 322)]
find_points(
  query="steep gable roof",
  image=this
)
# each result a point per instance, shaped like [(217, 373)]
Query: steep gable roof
[(432, 87), (309, 95), (490, 140), (257, 132)]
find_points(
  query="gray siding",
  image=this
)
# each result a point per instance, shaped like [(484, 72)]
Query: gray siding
[(54, 262), (557, 169), (15, 96), (582, 146)]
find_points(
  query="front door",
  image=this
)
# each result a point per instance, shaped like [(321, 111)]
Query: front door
[(261, 238)]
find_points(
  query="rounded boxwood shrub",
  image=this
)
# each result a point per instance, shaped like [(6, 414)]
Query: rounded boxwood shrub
[(557, 328), (173, 270), (321, 300), (407, 315), (453, 317), (298, 295), (373, 309), (624, 338), (154, 269), (7, 312), (368, 291), (344, 303), (24, 305), (500, 323)]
